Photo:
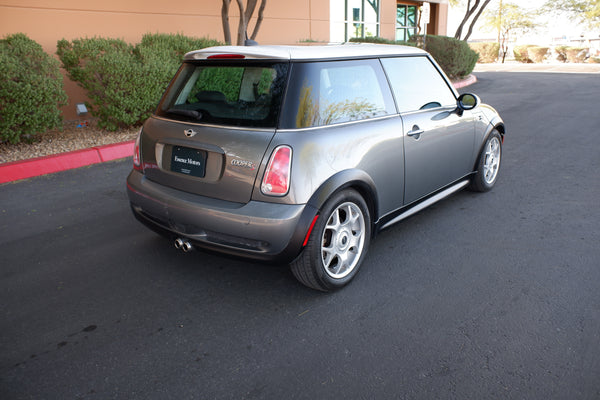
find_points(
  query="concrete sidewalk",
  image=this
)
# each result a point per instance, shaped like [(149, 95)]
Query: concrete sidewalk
[(512, 66)]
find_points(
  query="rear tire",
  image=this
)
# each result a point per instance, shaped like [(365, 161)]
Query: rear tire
[(337, 245), (488, 165)]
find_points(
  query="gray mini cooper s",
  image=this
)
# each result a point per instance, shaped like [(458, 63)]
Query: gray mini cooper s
[(301, 154)]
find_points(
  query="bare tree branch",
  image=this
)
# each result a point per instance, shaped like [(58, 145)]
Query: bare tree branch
[(261, 11), (250, 6), (465, 19), (475, 19), (241, 35), (246, 12), (225, 21)]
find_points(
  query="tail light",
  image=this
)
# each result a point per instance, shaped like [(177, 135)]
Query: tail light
[(137, 154), (276, 181)]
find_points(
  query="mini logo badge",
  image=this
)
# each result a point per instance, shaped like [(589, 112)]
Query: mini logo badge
[(190, 132)]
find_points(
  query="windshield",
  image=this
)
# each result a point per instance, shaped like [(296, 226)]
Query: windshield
[(247, 94)]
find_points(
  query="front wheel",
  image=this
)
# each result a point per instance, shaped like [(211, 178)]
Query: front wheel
[(488, 164), (337, 245)]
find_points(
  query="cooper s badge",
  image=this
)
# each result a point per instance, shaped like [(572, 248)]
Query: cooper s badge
[(243, 164)]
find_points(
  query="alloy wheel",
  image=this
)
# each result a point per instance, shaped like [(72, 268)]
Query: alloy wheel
[(343, 240)]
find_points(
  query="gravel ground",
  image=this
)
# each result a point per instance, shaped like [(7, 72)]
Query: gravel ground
[(69, 139)]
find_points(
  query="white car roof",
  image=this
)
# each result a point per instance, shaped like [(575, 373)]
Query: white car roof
[(340, 51)]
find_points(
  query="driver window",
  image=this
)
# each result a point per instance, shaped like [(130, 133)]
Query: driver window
[(417, 84)]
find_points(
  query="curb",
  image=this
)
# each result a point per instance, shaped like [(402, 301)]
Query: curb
[(17, 170), (469, 80)]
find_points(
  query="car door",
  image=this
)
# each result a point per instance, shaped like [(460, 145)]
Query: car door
[(438, 142)]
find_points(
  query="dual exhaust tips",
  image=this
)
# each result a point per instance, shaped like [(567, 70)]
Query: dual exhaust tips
[(182, 244)]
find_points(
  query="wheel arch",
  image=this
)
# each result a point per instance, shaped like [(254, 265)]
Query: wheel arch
[(348, 179), (500, 128)]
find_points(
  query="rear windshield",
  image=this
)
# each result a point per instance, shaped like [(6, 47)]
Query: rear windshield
[(247, 94)]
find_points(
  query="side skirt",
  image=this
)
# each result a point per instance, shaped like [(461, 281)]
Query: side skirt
[(425, 203)]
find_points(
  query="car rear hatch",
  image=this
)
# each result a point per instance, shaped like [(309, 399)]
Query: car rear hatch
[(213, 126), (215, 162)]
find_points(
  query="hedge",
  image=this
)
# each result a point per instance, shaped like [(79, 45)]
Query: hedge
[(488, 51), (124, 82), (561, 52), (521, 54), (576, 54), (537, 54), (380, 40), (31, 89), (454, 56)]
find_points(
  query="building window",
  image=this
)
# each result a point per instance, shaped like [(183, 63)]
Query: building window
[(353, 19), (406, 21)]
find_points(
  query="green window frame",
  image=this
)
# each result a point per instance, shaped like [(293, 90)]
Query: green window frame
[(406, 21)]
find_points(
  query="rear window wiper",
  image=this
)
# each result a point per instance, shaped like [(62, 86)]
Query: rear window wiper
[(186, 113)]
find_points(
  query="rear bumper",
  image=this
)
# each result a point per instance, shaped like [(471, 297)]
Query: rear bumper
[(255, 230)]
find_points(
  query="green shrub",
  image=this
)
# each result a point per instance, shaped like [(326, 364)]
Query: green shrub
[(576, 54), (454, 56), (537, 54), (125, 82), (380, 40), (488, 51), (561, 52), (521, 54), (31, 89)]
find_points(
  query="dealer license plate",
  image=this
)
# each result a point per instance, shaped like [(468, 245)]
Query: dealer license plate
[(188, 161)]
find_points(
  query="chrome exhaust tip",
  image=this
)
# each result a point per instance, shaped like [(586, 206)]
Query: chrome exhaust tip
[(187, 247), (182, 244), (178, 243)]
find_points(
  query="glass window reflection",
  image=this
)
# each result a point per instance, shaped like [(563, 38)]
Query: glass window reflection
[(336, 92)]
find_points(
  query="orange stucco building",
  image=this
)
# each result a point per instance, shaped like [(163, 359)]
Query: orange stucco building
[(285, 21)]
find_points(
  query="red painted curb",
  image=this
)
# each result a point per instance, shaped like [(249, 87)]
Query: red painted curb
[(115, 151), (469, 80), (17, 170)]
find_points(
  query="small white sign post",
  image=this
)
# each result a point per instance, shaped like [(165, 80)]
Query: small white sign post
[(425, 14)]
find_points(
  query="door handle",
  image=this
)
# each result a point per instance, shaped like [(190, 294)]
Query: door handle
[(416, 131)]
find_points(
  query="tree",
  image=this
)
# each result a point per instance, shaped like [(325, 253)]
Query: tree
[(473, 12), (246, 12), (507, 18), (586, 11)]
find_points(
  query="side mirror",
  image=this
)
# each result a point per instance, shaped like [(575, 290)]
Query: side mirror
[(467, 101)]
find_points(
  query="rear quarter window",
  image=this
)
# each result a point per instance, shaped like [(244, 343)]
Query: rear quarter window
[(326, 93)]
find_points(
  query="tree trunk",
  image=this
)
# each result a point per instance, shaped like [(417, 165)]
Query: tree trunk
[(225, 21), (250, 6), (475, 19), (504, 44), (499, 20), (245, 16), (468, 14), (261, 11), (241, 35)]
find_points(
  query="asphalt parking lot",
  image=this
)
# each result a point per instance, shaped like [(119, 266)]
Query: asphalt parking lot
[(482, 296)]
